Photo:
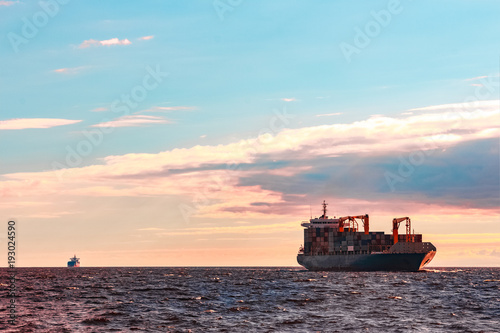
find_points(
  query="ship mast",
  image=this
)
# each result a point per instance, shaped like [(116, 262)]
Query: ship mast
[(324, 209)]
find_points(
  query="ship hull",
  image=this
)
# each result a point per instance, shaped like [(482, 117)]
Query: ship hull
[(411, 262), (73, 264)]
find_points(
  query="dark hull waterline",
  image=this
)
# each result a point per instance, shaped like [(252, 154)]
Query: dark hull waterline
[(411, 262)]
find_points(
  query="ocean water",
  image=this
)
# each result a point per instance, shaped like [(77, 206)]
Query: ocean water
[(252, 300)]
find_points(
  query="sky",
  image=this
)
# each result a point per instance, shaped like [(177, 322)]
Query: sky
[(202, 133)]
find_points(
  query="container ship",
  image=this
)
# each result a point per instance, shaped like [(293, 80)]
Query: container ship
[(335, 244), (74, 262)]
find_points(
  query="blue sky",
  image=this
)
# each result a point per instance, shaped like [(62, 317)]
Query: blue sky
[(231, 74)]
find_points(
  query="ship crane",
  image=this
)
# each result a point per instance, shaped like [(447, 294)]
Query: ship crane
[(365, 220), (348, 225), (395, 226), (353, 223)]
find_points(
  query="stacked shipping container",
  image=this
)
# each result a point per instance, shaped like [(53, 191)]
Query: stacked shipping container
[(330, 241)]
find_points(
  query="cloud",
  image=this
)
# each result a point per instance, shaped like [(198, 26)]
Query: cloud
[(108, 42), (7, 3), (290, 171), (477, 78), (166, 109), (482, 77), (486, 105), (99, 109), (465, 174), (130, 121), (69, 70), (146, 37), (289, 99), (329, 114), (378, 135), (226, 180), (26, 123)]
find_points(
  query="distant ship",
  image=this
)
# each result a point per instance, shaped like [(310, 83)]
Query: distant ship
[(334, 244), (74, 262)]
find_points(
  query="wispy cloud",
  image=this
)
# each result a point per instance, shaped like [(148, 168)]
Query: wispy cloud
[(26, 123), (99, 109), (131, 121), (483, 80), (107, 42), (477, 78), (292, 99), (167, 109), (472, 106), (329, 114), (146, 37), (69, 70), (8, 3), (482, 77)]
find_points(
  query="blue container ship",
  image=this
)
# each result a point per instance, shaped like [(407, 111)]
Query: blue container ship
[(335, 244)]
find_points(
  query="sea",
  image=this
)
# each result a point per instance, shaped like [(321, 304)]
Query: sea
[(250, 299)]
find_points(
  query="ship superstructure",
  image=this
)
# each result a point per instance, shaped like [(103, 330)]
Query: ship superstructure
[(336, 244), (74, 262)]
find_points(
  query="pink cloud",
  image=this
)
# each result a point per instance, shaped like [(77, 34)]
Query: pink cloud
[(61, 70), (167, 109), (146, 37), (107, 42), (147, 174), (69, 70), (26, 123), (288, 99), (477, 78), (8, 3), (288, 171), (130, 121), (99, 109)]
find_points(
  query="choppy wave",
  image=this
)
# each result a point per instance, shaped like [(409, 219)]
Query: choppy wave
[(252, 300)]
